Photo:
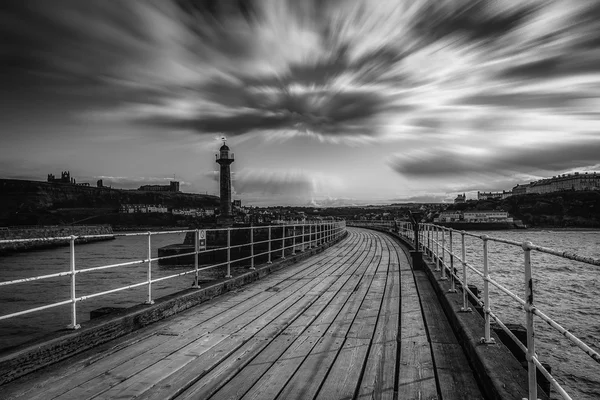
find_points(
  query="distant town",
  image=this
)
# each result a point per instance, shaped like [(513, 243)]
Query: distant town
[(576, 181), (208, 211)]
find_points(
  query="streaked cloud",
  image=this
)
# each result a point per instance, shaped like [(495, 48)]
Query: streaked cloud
[(467, 91), (293, 183)]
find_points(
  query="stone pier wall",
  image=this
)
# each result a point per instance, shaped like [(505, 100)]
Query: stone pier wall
[(43, 236)]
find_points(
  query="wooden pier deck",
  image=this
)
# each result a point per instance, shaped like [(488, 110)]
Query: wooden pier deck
[(354, 322)]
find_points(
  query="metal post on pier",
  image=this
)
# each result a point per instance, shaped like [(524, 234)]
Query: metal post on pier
[(269, 250), (252, 248), (486, 293), (228, 253), (465, 285), (73, 324), (294, 240), (303, 237), (427, 250), (283, 242), (149, 300), (444, 277), (531, 368), (416, 254), (196, 243), (452, 273), (437, 249)]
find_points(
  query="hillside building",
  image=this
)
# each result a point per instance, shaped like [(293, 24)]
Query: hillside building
[(494, 195), (173, 186)]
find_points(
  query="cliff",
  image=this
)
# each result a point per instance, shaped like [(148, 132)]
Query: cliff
[(567, 209), (33, 203)]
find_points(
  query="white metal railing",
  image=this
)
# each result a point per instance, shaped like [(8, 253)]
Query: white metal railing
[(433, 240), (305, 235)]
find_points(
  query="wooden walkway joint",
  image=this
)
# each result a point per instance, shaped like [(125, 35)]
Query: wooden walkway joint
[(354, 322)]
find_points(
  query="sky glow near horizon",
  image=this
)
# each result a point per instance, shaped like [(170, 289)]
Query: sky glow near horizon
[(323, 102)]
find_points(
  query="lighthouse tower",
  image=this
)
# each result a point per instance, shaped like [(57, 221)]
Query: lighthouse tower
[(224, 159)]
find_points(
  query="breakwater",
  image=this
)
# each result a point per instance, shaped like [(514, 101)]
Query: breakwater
[(51, 236)]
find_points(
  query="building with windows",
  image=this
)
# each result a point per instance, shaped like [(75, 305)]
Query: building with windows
[(449, 216), (486, 216), (493, 195), (461, 198), (173, 186)]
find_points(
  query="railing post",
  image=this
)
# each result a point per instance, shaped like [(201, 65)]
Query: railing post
[(252, 248), (303, 237), (294, 240), (73, 324), (269, 243), (531, 368), (197, 239), (486, 293), (437, 249), (465, 285), (283, 242), (444, 277), (452, 274), (149, 300), (228, 253)]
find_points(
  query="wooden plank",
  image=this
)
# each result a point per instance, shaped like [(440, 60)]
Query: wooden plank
[(344, 376), (143, 372), (458, 385), (307, 379), (362, 328), (380, 367), (456, 379), (95, 369), (223, 372), (416, 377), (438, 327), (410, 302), (250, 373), (174, 384), (412, 326), (271, 382)]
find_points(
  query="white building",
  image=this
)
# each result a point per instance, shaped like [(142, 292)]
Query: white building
[(486, 216), (449, 216)]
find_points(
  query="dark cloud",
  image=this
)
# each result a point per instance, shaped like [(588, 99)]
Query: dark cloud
[(542, 157), (469, 19), (330, 68), (323, 112)]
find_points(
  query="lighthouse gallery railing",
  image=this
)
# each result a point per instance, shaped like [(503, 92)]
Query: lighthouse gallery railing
[(304, 235), (437, 241)]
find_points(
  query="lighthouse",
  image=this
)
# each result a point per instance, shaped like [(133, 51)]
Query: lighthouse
[(225, 159)]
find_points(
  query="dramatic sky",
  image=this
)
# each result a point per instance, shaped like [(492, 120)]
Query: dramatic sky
[(326, 102)]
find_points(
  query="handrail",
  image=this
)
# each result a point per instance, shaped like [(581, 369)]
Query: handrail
[(305, 235), (430, 242)]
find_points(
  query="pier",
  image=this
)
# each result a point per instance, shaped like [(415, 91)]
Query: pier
[(358, 319)]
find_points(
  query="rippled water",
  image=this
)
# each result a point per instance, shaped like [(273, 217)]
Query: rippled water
[(567, 291), (22, 296)]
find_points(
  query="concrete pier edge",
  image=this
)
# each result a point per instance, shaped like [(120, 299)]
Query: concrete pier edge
[(57, 346), (499, 373)]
